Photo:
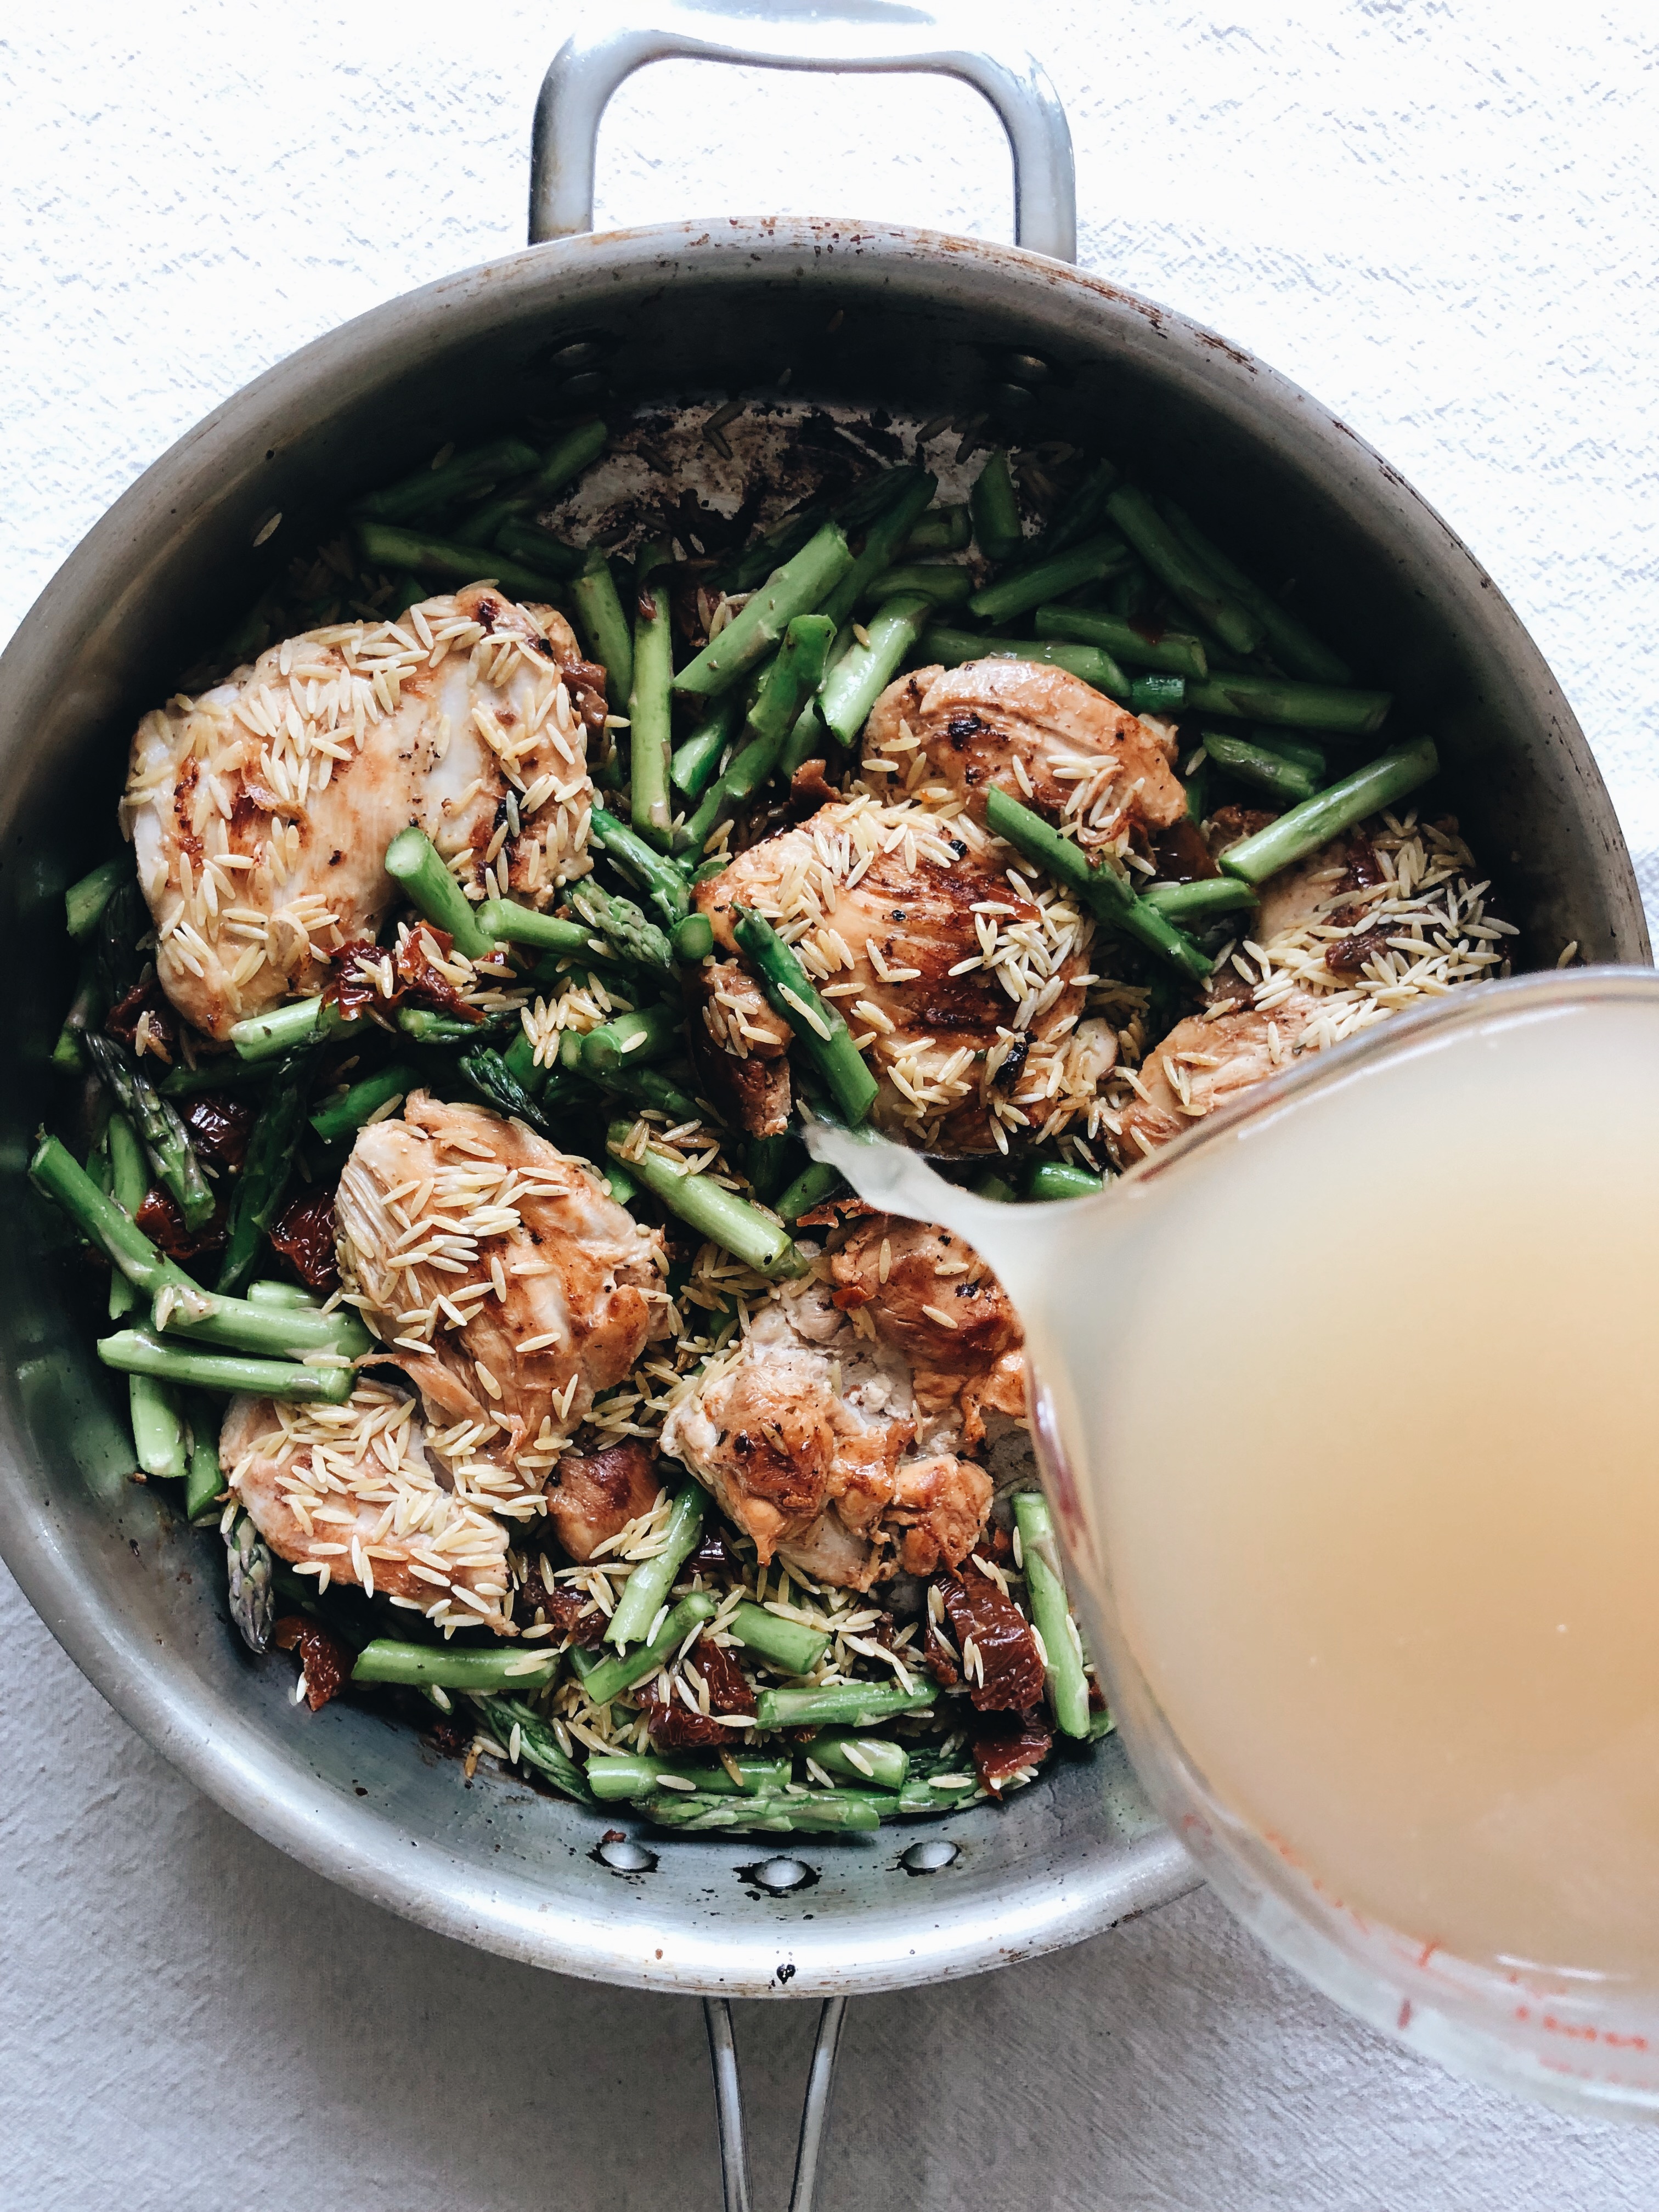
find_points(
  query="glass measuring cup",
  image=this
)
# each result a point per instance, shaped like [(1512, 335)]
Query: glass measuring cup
[(1373, 1607)]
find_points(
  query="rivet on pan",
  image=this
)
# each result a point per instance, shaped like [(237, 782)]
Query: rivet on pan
[(931, 1857), (591, 384), (628, 1857), (781, 1875)]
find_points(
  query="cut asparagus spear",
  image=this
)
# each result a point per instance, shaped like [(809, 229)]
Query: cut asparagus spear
[(946, 583), (722, 1215), (633, 1040), (164, 1136), (383, 545), (623, 931), (1177, 567), (1092, 664), (1171, 650), (285, 1029), (612, 1676), (693, 768), (864, 671), (850, 1704), (819, 1811), (1303, 705), (650, 735), (428, 490), (1294, 646), (1067, 1683), (788, 1645), (995, 509), (882, 544), (128, 1185), (537, 551), (870, 1761), (84, 901), (604, 627), (251, 1593), (54, 1172), (1052, 1179), (256, 1325), (136, 1351), (1381, 782), (266, 1171), (797, 589), (941, 529), (343, 1116), (1103, 890), (412, 859), (647, 1589), (1030, 586), (538, 1745), (158, 1428), (572, 451), (809, 1189), (203, 1480), (1079, 516), (1282, 779), (820, 1027), (513, 1667), (620, 1776), (1206, 901), (506, 923), (651, 871), (794, 674), (694, 939)]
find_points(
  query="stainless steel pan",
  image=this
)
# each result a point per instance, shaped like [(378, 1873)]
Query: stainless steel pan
[(679, 314)]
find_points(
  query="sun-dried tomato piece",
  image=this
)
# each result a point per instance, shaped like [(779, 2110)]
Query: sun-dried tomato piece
[(1349, 954), (303, 1232), (729, 1689), (714, 1554), (356, 982), (421, 982), (585, 681), (1011, 1664), (938, 1660), (163, 1224), (220, 1127), (562, 1606), (1003, 1744), (144, 1009), (1182, 854), (324, 1659), (672, 1722)]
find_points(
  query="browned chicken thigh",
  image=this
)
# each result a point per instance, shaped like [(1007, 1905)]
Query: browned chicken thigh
[(260, 812)]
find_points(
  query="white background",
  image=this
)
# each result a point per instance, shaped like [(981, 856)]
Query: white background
[(1439, 215)]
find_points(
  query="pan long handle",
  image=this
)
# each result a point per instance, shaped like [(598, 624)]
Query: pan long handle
[(728, 2104), (845, 35)]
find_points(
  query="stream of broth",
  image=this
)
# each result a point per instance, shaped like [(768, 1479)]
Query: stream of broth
[(1364, 1404)]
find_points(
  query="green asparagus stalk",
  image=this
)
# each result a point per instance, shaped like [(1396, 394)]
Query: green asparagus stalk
[(481, 523), (809, 1189), (612, 1676), (820, 1027), (538, 550), (164, 1137), (1293, 645), (203, 1478), (428, 490), (995, 509), (693, 767), (284, 1029), (1383, 782), (1282, 779), (1045, 1585), (87, 1007), (1303, 705), (647, 1589), (134, 1352), (770, 551), (1202, 902), (794, 675), (649, 1086), (572, 451), (632, 1039), (800, 586), (882, 545), (946, 583), (538, 1745), (694, 939), (624, 932), (268, 1291), (604, 627), (864, 670), (1092, 664), (256, 1325), (343, 1116), (422, 1026), (1171, 650), (649, 870), (1172, 560), (1052, 1179), (1198, 791), (1079, 516), (1106, 893), (819, 1812), (252, 1578), (650, 735), (84, 901), (129, 1186), (489, 1074), (719, 1214), (452, 1668), (1307, 752), (1158, 694), (619, 1775), (412, 860), (158, 1428), (507, 923), (1030, 586), (383, 545), (60, 1176), (850, 1704), (788, 1645), (941, 529), (266, 1171), (871, 1761)]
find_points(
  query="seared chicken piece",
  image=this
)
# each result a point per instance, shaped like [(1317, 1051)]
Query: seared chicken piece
[(593, 1499), (965, 991), (510, 1288), (1204, 1063), (752, 1044), (354, 1494), (929, 1294), (1044, 737), (260, 812), (806, 1435)]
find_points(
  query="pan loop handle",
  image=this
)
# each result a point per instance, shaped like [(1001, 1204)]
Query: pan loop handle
[(728, 2104), (846, 34)]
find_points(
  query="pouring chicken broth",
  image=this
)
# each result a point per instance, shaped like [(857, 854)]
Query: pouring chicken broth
[(492, 908)]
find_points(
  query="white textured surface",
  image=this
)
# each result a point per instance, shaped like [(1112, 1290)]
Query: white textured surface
[(1439, 218)]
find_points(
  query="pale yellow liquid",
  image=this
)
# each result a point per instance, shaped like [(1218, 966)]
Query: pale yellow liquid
[(1363, 1408)]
